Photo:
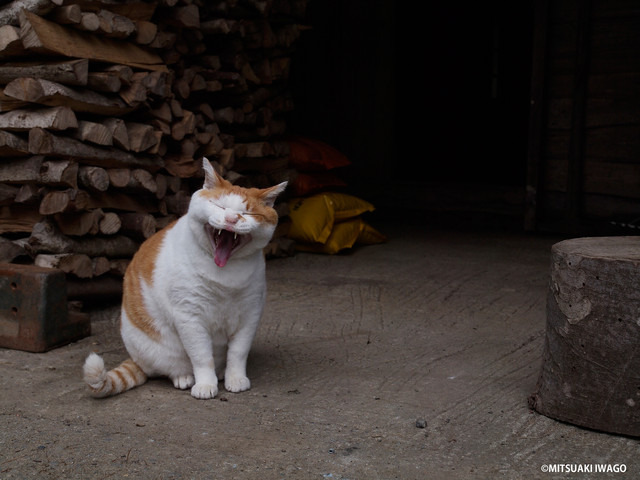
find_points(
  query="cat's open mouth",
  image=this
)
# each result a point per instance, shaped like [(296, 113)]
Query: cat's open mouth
[(225, 243)]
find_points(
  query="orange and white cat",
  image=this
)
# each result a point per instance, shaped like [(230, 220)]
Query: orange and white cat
[(194, 293)]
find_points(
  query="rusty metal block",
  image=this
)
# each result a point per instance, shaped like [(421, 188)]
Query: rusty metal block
[(33, 309)]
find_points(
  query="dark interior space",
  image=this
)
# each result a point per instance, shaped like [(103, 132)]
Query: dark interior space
[(432, 110)]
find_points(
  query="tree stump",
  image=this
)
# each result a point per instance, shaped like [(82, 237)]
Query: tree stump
[(591, 363)]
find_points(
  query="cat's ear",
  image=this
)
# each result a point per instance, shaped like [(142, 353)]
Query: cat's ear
[(211, 177), (269, 195)]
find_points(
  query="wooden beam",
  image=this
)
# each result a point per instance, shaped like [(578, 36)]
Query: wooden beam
[(536, 113), (579, 101)]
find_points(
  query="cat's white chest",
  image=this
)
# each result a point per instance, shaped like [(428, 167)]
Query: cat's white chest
[(186, 274)]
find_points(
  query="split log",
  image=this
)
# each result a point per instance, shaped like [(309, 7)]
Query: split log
[(159, 147), (178, 203), (100, 265), (89, 22), (59, 201), (226, 157), (43, 36), (133, 10), (110, 223), (119, 132), (10, 42), (18, 219), (114, 25), (142, 180), (54, 94), (65, 15), (9, 14), (185, 126), (141, 136), (145, 32), (215, 146), (80, 223), (93, 132), (119, 201), (182, 166), (10, 250), (119, 177), (12, 145), (174, 184), (28, 194), (124, 72), (107, 82), (157, 83), (43, 142), (161, 185), (8, 103), (219, 26), (46, 238), (132, 179), (162, 112), (186, 17), (163, 40), (590, 373), (76, 264), (93, 178), (7, 194), (63, 173), (134, 94), (138, 225), (20, 171), (254, 149), (119, 266), (56, 118)]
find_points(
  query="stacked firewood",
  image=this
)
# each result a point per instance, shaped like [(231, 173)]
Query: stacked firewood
[(107, 107)]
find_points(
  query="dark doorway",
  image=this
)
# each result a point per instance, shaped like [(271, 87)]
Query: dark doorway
[(436, 97)]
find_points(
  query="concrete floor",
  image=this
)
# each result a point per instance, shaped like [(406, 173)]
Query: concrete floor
[(437, 325)]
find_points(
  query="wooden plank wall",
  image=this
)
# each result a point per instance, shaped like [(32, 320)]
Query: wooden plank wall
[(588, 156)]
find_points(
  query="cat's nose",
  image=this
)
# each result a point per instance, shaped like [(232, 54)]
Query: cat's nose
[(231, 218)]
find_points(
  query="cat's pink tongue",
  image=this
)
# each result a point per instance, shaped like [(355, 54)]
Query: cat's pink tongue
[(223, 249)]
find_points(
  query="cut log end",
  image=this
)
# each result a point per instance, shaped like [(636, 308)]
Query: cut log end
[(590, 373)]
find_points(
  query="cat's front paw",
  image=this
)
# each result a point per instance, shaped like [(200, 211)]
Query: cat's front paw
[(237, 384), (204, 391), (183, 381)]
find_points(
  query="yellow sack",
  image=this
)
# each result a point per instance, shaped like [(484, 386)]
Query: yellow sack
[(311, 219), (343, 235), (329, 222), (370, 236), (347, 206)]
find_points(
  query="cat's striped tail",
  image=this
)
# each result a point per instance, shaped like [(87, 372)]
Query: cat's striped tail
[(103, 384)]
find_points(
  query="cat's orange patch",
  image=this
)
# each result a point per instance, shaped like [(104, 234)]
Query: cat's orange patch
[(141, 269)]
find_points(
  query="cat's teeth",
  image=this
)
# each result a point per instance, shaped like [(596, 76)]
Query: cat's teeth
[(219, 231), (235, 235)]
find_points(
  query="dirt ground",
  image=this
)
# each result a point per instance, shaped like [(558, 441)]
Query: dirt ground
[(408, 360)]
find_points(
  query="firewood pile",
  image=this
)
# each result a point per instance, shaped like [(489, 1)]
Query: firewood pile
[(108, 106)]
